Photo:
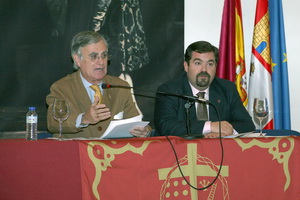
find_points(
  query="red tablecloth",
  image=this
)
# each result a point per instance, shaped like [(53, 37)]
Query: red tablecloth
[(253, 168)]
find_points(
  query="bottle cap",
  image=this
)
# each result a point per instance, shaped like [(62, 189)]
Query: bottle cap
[(31, 108)]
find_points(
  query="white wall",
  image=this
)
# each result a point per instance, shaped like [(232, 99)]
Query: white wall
[(203, 22)]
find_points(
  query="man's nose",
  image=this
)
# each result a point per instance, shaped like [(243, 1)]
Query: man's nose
[(204, 67)]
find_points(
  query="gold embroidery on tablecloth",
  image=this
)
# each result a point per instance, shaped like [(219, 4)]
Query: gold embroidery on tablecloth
[(280, 148), (108, 155)]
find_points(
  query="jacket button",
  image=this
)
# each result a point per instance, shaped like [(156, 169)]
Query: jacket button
[(99, 128)]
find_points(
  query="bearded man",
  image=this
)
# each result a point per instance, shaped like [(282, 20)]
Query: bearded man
[(172, 116)]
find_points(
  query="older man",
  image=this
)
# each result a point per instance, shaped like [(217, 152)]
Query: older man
[(91, 107)]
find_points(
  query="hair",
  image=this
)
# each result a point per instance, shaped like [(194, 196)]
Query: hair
[(201, 47), (83, 39)]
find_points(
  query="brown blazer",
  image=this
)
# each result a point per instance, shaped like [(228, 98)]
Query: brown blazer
[(72, 89)]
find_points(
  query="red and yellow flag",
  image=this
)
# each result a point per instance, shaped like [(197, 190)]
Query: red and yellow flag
[(232, 57)]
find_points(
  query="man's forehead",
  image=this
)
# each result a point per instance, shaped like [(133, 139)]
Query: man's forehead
[(98, 47), (207, 56), (195, 53)]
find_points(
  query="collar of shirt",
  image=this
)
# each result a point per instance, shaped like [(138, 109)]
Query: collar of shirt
[(195, 91)]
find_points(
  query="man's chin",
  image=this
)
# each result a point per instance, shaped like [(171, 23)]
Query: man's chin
[(202, 84), (98, 79), (99, 75)]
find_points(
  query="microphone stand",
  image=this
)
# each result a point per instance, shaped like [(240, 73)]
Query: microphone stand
[(189, 136), (187, 107)]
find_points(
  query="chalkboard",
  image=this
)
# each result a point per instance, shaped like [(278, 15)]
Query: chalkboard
[(35, 50)]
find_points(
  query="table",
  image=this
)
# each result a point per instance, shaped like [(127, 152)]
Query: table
[(146, 168)]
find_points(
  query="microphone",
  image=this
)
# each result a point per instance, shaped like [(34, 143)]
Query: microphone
[(105, 86), (191, 98)]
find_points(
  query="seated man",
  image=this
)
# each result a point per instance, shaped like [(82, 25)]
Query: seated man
[(91, 114), (200, 65)]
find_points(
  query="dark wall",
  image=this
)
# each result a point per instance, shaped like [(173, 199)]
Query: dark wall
[(35, 37)]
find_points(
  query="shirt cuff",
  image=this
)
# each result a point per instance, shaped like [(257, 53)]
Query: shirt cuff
[(206, 128), (235, 132), (78, 122)]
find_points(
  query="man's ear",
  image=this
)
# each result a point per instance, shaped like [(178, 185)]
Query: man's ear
[(76, 59), (186, 66)]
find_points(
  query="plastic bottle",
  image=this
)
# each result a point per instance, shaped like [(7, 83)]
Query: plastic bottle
[(31, 124)]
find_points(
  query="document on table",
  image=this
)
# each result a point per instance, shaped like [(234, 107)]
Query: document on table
[(244, 135), (120, 128)]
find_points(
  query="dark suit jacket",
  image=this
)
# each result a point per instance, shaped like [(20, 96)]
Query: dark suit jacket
[(170, 112), (72, 89)]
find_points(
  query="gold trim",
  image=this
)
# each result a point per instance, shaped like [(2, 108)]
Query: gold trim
[(285, 144), (109, 155)]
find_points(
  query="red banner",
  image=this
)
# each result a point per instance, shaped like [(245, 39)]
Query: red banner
[(231, 64), (264, 168)]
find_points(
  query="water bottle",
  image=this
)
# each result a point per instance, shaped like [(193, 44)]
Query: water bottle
[(31, 124)]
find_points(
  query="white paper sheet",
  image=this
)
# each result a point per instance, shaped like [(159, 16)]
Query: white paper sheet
[(120, 128), (244, 135)]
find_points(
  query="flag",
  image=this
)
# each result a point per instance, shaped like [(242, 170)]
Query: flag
[(281, 97), (231, 49), (260, 79)]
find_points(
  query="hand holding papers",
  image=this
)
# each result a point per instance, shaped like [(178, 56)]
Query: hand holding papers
[(120, 128)]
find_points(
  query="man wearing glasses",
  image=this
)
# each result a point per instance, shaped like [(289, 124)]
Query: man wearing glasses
[(91, 107)]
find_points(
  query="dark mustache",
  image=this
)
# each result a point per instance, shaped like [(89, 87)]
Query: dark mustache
[(203, 74)]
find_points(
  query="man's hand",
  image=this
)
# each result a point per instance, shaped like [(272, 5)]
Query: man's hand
[(226, 128), (211, 135), (96, 113), (139, 131)]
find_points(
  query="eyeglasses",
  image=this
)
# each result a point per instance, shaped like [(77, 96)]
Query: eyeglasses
[(94, 56)]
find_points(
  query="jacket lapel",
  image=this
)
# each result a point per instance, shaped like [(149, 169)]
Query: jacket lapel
[(107, 97), (216, 100), (81, 93)]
